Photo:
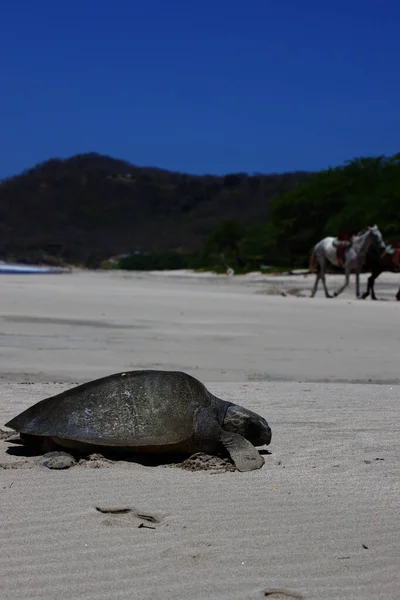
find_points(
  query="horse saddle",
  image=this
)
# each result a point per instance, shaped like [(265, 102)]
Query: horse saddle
[(341, 243)]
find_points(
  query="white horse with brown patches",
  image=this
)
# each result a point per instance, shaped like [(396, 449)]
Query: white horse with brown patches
[(354, 257)]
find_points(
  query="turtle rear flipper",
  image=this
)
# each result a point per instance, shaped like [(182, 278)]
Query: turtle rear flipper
[(245, 456), (14, 438)]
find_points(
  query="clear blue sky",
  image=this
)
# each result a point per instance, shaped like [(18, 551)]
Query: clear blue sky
[(204, 86)]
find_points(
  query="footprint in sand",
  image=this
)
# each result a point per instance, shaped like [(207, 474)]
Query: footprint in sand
[(205, 462), (131, 517)]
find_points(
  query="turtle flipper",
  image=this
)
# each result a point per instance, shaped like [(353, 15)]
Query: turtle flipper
[(245, 456), (57, 460)]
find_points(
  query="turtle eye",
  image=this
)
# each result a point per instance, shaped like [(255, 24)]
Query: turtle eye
[(236, 420)]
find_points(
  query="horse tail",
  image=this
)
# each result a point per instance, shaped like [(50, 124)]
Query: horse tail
[(313, 262)]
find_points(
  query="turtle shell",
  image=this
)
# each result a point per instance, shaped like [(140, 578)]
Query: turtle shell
[(130, 409)]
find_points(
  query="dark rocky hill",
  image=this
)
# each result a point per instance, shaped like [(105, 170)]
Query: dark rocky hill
[(91, 206)]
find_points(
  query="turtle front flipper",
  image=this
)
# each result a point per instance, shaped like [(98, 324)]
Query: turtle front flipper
[(58, 460), (245, 456)]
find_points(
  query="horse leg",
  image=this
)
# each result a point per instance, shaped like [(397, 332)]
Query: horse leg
[(368, 290), (323, 263), (357, 283), (317, 264), (327, 294), (398, 295), (346, 280), (371, 281), (317, 278)]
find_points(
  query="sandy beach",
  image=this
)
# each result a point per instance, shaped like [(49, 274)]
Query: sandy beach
[(320, 520)]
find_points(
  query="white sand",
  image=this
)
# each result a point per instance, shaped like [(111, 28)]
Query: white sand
[(330, 486)]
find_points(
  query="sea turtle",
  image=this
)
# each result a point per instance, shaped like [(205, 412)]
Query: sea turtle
[(142, 411)]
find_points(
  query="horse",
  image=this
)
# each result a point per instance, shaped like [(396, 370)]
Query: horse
[(354, 257), (377, 262)]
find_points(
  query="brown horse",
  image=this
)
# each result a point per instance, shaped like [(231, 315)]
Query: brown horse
[(376, 263)]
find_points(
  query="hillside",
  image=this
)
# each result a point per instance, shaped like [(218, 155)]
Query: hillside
[(91, 206)]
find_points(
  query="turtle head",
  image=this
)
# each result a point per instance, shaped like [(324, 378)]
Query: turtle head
[(248, 424)]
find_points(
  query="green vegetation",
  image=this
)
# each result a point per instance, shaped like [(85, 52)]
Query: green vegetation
[(362, 192), (87, 208)]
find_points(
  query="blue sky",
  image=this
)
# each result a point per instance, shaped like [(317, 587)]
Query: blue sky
[(201, 87)]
